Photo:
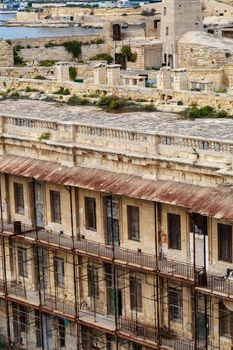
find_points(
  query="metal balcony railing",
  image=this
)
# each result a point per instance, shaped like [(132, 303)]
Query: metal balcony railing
[(138, 330), (122, 255), (215, 284)]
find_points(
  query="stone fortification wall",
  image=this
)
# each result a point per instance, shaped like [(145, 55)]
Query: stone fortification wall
[(57, 40), (198, 56), (107, 13), (6, 54), (26, 72), (58, 53), (88, 51), (222, 101)]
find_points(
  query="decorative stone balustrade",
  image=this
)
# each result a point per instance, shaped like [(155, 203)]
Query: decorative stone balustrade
[(113, 139)]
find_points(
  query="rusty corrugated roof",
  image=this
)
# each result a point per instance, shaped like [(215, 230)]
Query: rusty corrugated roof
[(211, 201)]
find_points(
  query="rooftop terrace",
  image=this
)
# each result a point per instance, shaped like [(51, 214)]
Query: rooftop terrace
[(150, 123)]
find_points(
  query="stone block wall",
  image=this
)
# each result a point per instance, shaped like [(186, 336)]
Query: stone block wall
[(36, 42), (26, 72), (57, 53), (198, 56), (6, 54), (89, 51), (215, 75)]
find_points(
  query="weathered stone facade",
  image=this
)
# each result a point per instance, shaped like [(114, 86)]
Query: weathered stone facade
[(178, 17), (6, 54), (199, 50), (153, 163)]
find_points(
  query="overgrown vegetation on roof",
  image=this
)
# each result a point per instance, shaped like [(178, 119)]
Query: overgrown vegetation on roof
[(195, 112)]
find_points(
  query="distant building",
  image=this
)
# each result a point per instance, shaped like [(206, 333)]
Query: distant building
[(178, 17)]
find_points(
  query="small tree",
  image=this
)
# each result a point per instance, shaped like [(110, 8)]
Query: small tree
[(129, 55), (72, 73)]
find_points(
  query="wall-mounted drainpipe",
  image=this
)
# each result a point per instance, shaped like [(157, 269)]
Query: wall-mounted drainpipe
[(69, 188), (38, 267), (4, 273), (114, 274)]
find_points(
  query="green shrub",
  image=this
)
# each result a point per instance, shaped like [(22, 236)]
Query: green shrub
[(40, 77), (14, 95), (97, 41), (47, 63), (129, 55), (76, 101), (221, 90), (18, 47), (29, 89), (180, 103), (228, 54), (17, 59), (111, 103), (222, 114), (45, 136), (105, 101), (148, 108), (62, 91), (203, 112), (102, 57), (72, 73), (74, 47)]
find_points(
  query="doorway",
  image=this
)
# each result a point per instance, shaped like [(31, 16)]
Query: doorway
[(112, 220)]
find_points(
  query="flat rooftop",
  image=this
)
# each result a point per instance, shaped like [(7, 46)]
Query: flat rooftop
[(143, 122)]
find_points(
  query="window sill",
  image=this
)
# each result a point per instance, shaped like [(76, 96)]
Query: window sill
[(91, 229)]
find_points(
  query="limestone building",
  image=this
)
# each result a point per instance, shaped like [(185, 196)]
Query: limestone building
[(178, 17), (116, 230)]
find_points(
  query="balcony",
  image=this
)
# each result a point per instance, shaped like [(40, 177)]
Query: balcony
[(221, 286), (125, 257), (138, 330)]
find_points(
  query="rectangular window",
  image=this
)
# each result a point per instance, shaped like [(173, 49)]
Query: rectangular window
[(93, 281), (20, 320), (23, 318), (19, 199), (62, 332), (22, 262), (175, 305), (59, 272), (200, 224), (174, 232), (133, 223), (225, 242), (55, 202), (90, 213), (225, 320), (135, 289)]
